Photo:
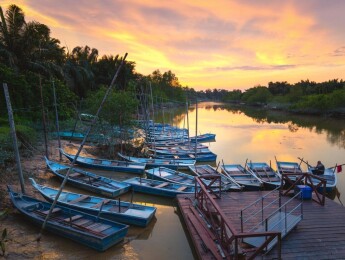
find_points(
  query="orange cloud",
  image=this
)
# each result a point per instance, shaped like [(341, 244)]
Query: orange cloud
[(222, 44)]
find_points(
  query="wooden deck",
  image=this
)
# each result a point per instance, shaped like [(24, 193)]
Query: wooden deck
[(320, 234)]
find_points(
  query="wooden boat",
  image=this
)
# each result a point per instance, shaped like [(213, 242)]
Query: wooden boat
[(169, 163), (329, 175), (242, 176), (115, 210), (175, 146), (166, 137), (288, 167), (179, 150), (226, 182), (159, 188), (110, 165), (202, 157), (166, 174), (268, 176), (91, 231), (70, 135), (203, 138), (89, 181)]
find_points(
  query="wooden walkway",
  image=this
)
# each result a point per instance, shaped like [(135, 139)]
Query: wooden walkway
[(320, 234)]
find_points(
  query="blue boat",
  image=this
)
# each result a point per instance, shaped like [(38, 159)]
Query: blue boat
[(288, 167), (70, 135), (114, 210), (180, 150), (205, 170), (242, 176), (203, 138), (159, 188), (109, 165), (329, 175), (154, 162), (200, 157), (91, 231), (270, 178), (175, 145), (166, 174), (89, 181)]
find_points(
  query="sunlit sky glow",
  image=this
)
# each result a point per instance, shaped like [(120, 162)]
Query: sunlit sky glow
[(207, 44)]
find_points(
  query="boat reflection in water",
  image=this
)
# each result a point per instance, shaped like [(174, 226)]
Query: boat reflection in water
[(139, 233)]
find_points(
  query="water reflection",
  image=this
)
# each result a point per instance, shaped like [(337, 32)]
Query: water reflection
[(261, 135), (333, 128)]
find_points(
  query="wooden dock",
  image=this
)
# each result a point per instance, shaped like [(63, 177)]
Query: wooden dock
[(319, 235)]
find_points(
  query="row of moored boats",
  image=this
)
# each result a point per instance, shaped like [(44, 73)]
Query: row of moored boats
[(102, 221)]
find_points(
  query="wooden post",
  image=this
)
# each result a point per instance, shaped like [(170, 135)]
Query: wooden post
[(187, 119), (81, 145), (57, 121), (44, 120), (14, 137), (153, 119), (196, 126)]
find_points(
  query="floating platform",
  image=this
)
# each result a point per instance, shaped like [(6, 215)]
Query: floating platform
[(319, 235)]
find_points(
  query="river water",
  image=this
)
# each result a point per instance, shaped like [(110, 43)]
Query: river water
[(247, 134), (260, 135)]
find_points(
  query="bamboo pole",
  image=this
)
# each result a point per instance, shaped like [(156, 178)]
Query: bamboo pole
[(44, 119), (153, 119), (81, 146), (196, 126), (187, 119), (14, 137), (57, 121)]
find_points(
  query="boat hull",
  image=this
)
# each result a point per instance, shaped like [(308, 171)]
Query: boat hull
[(28, 206), (108, 165)]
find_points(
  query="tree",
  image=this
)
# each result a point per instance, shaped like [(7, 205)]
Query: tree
[(279, 88), (12, 27), (257, 95), (78, 70)]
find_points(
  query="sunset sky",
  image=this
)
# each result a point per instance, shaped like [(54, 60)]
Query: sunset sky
[(207, 44)]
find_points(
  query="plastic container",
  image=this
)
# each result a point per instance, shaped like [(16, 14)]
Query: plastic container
[(306, 191)]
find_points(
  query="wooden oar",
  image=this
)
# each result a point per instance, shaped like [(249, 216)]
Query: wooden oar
[(217, 166), (304, 161)]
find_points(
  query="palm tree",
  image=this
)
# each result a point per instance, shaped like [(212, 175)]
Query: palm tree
[(78, 69), (25, 45), (11, 30)]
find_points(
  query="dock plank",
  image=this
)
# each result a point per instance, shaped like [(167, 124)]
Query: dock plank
[(320, 234)]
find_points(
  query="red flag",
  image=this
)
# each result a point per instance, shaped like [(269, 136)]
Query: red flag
[(339, 168)]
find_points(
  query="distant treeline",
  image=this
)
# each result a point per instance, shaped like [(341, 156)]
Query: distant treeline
[(304, 96), (32, 62)]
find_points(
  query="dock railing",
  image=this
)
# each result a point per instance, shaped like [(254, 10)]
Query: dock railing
[(227, 236), (268, 213), (257, 208), (308, 179)]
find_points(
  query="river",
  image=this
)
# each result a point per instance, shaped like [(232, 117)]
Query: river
[(241, 134), (256, 134)]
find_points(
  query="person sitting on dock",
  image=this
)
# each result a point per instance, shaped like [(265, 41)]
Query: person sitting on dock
[(319, 168)]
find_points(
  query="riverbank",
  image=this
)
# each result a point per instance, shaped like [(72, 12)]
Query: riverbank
[(165, 233), (20, 242)]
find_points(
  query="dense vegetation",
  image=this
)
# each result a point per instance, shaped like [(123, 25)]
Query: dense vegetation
[(31, 61), (304, 96)]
